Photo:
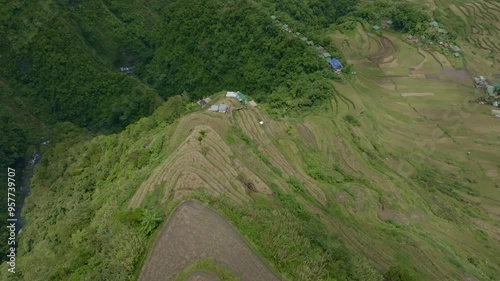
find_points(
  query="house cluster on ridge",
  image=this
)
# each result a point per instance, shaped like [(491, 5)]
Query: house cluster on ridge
[(222, 107), (322, 53)]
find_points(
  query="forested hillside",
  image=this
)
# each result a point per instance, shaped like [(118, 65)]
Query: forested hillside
[(64, 57)]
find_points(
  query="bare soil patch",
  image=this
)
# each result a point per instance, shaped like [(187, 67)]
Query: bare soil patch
[(392, 64), (386, 50), (416, 94), (387, 84), (387, 214), (195, 231), (460, 74)]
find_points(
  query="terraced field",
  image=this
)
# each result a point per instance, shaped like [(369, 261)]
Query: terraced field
[(482, 19), (426, 107), (209, 163)]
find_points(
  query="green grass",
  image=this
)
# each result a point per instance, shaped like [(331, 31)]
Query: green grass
[(289, 232), (405, 57), (209, 266)]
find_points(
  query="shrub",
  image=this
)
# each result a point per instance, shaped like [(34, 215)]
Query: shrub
[(350, 119), (399, 273)]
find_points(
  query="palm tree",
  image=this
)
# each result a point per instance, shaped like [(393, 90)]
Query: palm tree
[(149, 221)]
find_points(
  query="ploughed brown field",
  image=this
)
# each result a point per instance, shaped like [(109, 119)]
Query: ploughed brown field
[(194, 232)]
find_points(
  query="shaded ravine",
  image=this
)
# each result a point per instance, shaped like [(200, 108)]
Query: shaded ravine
[(24, 189)]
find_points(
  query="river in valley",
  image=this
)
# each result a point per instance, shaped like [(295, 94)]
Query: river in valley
[(24, 189)]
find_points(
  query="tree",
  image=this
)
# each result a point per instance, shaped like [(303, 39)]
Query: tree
[(149, 221)]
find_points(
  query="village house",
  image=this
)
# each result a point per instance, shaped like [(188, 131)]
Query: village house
[(491, 91), (480, 82), (127, 69), (203, 101), (336, 65), (237, 95), (286, 28), (219, 108), (454, 48), (320, 50), (442, 31), (386, 24)]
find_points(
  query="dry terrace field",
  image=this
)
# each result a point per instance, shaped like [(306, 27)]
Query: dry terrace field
[(194, 232)]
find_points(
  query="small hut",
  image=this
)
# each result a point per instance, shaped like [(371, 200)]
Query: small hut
[(335, 64)]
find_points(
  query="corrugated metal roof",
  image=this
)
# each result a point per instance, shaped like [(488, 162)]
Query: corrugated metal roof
[(335, 63), (222, 107), (455, 48)]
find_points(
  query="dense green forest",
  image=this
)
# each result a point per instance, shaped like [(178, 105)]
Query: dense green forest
[(60, 79), (19, 128)]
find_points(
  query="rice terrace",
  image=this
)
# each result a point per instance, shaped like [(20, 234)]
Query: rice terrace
[(258, 140)]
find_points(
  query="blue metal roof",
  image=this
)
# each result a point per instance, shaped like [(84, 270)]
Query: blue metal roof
[(335, 63)]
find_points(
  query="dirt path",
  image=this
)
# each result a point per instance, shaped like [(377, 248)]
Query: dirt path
[(195, 231)]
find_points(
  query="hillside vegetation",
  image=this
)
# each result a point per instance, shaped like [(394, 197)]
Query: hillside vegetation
[(387, 174), (61, 63)]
